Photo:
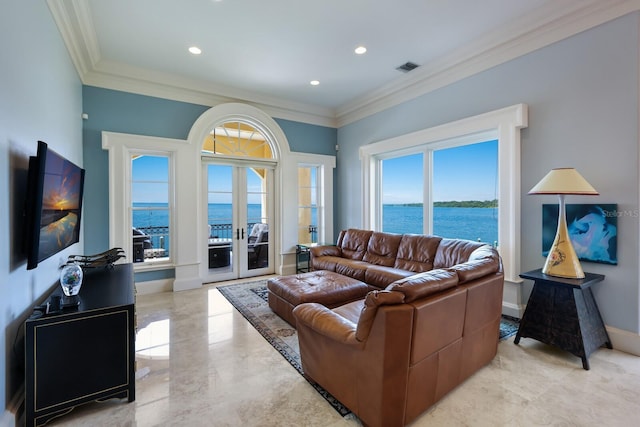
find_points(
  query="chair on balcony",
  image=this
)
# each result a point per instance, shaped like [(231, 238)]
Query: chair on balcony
[(258, 246), (141, 241)]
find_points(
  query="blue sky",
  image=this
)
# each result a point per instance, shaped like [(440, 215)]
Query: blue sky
[(150, 175), (462, 173)]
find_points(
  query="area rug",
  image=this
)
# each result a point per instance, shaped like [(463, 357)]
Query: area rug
[(250, 299)]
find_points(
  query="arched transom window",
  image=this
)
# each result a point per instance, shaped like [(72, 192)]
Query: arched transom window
[(237, 139)]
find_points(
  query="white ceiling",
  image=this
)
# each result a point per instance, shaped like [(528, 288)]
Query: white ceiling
[(267, 52)]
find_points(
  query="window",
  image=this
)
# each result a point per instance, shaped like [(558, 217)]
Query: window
[(313, 206), (308, 204), (237, 139), (461, 184), (150, 208), (465, 201), (502, 126), (143, 197), (402, 194)]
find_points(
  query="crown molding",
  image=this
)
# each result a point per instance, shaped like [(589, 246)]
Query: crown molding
[(67, 22), (118, 76), (548, 25), (553, 22)]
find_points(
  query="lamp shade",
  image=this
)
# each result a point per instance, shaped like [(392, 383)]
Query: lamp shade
[(564, 181)]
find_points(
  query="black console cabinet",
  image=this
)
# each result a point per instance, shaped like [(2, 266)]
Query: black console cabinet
[(82, 354)]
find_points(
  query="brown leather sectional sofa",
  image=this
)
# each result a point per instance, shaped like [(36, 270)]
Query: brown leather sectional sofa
[(431, 321)]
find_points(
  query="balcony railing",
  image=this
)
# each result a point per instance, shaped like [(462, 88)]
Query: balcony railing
[(157, 237)]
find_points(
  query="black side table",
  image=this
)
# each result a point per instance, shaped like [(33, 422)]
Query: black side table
[(303, 257), (563, 313)]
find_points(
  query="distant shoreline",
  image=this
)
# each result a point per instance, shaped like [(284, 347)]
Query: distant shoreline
[(454, 204)]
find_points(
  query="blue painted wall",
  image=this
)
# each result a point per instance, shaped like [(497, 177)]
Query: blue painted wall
[(305, 138)]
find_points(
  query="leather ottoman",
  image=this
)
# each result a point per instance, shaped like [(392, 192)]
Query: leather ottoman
[(323, 287)]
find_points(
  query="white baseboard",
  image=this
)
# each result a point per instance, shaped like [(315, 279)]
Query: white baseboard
[(512, 299), (287, 269), (626, 341), (154, 286), (513, 310)]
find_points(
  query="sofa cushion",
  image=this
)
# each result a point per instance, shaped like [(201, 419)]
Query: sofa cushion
[(368, 312), (351, 310), (382, 248), (381, 277), (325, 262), (424, 284), (416, 252), (351, 268), (325, 250), (354, 242), (454, 251)]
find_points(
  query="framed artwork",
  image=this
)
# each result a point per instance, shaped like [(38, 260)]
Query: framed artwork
[(593, 229)]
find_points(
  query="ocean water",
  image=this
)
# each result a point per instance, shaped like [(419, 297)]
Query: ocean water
[(462, 223), (218, 213), (479, 224)]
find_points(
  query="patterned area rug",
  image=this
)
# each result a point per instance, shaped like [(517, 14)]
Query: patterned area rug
[(250, 299)]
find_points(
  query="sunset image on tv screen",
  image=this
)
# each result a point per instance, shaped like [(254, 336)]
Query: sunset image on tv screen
[(60, 204)]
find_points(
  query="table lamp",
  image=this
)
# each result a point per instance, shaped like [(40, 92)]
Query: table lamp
[(562, 260)]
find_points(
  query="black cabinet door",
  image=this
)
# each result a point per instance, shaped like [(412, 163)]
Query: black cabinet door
[(83, 354)]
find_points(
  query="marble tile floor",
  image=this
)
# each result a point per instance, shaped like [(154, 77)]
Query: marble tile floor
[(200, 363)]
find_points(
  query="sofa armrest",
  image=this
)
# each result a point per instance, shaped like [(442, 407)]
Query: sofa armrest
[(326, 322), (325, 250), (482, 262)]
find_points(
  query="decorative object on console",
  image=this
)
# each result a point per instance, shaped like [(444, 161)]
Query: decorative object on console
[(103, 259), (71, 279), (562, 260)]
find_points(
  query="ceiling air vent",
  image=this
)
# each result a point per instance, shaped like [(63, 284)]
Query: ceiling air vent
[(406, 67)]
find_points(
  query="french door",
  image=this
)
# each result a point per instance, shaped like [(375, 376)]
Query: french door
[(239, 206)]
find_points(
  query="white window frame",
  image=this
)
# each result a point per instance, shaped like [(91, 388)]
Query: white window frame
[(171, 208), (319, 199), (325, 166), (121, 149), (504, 125)]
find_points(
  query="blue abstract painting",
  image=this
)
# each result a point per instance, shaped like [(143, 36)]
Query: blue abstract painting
[(593, 229)]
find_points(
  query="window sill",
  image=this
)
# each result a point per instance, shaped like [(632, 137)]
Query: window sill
[(152, 265)]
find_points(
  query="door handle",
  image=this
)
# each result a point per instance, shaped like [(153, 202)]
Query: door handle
[(243, 234), (237, 234)]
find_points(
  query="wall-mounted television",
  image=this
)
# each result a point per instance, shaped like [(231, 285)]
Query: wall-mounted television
[(53, 205)]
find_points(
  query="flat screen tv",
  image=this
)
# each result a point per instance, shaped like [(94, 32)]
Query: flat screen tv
[(53, 205)]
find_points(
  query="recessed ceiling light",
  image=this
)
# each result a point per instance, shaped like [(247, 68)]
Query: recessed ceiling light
[(195, 50), (360, 50), (314, 82)]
